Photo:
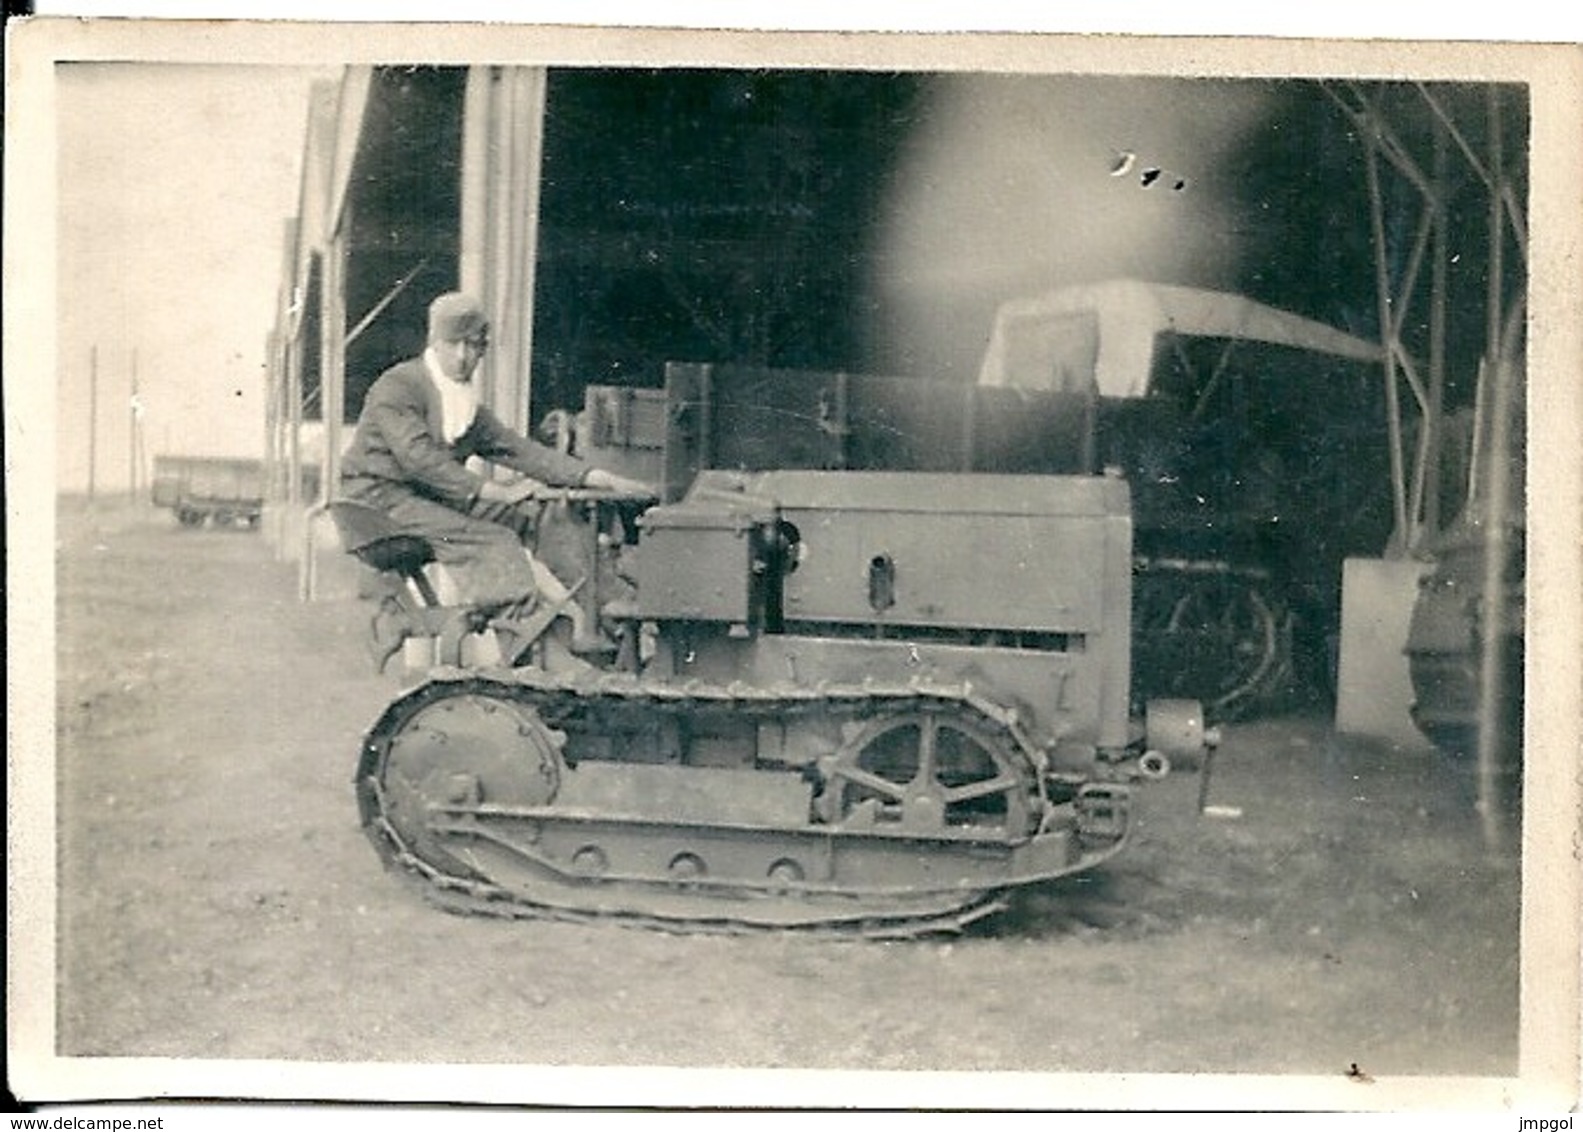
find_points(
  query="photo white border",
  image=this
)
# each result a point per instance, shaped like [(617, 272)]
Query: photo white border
[(1548, 1077)]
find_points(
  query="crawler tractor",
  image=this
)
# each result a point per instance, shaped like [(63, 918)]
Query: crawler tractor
[(851, 701)]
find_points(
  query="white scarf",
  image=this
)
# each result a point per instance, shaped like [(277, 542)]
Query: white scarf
[(458, 400)]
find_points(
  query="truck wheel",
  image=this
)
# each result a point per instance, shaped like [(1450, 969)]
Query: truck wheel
[(1217, 639)]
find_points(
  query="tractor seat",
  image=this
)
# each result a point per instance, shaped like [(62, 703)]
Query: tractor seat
[(399, 554), (368, 535)]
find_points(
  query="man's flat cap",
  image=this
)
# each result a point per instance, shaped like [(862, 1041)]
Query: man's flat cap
[(455, 316)]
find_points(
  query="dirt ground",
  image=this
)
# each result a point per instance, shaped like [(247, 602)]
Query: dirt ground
[(218, 900)]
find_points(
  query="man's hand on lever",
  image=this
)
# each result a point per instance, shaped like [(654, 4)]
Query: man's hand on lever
[(601, 480), (511, 491), (596, 482)]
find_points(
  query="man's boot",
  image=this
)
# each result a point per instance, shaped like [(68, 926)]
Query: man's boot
[(526, 622), (389, 628)]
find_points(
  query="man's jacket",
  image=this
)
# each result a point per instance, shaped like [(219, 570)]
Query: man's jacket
[(399, 440)]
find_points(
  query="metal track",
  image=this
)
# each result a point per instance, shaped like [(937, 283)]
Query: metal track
[(559, 697)]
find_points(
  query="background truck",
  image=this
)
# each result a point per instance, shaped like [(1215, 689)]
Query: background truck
[(224, 490)]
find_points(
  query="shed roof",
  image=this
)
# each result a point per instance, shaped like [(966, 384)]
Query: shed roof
[(1128, 315)]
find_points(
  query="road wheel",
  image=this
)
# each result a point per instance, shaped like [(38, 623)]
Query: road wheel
[(926, 771)]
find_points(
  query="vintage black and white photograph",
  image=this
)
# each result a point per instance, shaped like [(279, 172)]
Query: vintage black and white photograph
[(969, 566)]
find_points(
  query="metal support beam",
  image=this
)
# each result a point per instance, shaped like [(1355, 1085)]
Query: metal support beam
[(1401, 536), (1508, 198), (1409, 372), (1496, 284), (1439, 282), (1373, 124), (389, 297), (1418, 502)]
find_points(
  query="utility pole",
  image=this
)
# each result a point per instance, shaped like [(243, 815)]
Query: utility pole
[(93, 417), (131, 436)]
